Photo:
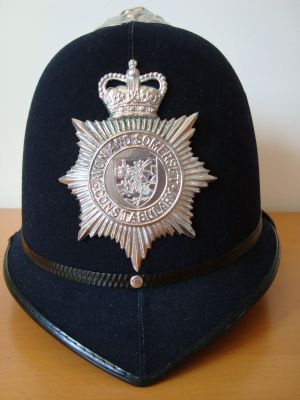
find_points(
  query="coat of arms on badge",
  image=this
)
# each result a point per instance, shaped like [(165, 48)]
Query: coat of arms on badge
[(135, 176), (136, 179)]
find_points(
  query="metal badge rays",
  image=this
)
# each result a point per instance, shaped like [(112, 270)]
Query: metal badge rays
[(135, 176)]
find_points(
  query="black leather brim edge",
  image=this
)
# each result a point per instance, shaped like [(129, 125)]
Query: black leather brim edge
[(113, 369)]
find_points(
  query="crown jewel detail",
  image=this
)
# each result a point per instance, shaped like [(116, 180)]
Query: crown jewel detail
[(133, 98)]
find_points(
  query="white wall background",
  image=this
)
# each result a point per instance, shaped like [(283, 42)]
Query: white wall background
[(261, 39)]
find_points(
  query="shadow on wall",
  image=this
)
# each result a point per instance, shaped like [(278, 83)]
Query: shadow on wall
[(279, 163)]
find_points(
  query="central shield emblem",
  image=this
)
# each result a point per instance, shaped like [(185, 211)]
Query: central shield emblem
[(136, 179)]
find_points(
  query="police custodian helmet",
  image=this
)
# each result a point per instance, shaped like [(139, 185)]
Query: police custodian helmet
[(120, 256)]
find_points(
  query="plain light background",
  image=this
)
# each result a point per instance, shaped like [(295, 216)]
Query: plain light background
[(261, 39)]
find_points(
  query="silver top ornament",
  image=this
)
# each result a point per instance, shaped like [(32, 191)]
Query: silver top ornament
[(135, 176), (138, 14)]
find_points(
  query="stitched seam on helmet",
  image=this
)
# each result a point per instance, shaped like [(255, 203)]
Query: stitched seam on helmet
[(141, 333)]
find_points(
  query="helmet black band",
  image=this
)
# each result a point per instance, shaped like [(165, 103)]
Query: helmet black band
[(94, 278)]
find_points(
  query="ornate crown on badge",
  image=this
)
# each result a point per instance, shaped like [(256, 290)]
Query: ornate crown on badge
[(133, 98), (135, 176)]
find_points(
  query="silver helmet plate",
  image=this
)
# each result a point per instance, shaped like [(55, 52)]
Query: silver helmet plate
[(135, 176)]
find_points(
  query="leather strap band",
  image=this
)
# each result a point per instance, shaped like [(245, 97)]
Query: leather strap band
[(150, 280)]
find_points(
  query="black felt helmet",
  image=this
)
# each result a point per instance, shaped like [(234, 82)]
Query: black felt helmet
[(133, 268)]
